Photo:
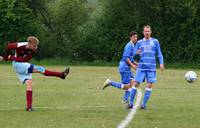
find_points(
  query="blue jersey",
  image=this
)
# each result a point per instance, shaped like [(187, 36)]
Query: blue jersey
[(128, 52), (149, 49)]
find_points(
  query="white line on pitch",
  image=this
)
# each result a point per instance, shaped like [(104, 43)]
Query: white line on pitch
[(133, 111)]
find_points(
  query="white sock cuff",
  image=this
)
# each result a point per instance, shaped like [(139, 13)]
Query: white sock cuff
[(122, 85), (148, 89), (134, 88)]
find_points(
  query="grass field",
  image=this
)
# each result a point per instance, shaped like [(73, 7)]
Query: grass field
[(79, 102)]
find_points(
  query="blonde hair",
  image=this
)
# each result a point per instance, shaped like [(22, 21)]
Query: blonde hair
[(33, 39)]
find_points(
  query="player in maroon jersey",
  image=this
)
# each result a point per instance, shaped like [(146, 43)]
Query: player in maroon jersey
[(24, 52)]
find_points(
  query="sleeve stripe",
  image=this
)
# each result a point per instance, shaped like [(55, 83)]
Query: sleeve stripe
[(21, 44)]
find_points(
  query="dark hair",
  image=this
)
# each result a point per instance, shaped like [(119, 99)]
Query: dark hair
[(132, 33)]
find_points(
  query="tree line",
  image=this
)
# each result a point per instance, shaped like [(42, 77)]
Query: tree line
[(80, 31)]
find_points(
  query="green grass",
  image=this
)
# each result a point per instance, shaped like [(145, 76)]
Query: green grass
[(79, 102), (67, 61)]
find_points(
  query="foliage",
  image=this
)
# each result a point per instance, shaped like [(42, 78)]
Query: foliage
[(65, 16), (174, 23), (16, 21), (82, 30)]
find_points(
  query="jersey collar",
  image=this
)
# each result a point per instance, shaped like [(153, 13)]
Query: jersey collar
[(146, 39), (132, 43)]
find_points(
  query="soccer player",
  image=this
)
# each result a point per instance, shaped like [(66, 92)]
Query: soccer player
[(146, 70), (125, 65), (23, 54)]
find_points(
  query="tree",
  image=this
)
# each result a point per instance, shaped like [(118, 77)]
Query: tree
[(174, 23), (65, 16), (17, 21), (40, 10), (105, 36)]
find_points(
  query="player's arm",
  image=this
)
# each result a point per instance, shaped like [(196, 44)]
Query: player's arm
[(160, 56), (127, 53), (136, 56), (10, 46), (133, 65), (20, 59), (1, 58)]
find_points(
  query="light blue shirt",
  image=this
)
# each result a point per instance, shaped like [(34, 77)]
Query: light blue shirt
[(149, 50)]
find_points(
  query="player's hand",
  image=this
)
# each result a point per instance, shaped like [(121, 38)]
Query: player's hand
[(162, 67), (138, 51), (9, 57), (1, 58), (134, 66)]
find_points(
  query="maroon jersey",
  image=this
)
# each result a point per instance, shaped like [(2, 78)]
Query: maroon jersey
[(22, 53)]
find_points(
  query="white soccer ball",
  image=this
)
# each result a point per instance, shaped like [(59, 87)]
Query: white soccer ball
[(190, 76)]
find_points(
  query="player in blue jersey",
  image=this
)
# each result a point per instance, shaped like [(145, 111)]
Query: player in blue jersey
[(150, 48), (125, 65)]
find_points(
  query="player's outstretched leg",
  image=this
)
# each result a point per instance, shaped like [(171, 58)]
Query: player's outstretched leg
[(65, 73), (146, 98), (109, 82), (42, 70), (61, 75), (106, 84)]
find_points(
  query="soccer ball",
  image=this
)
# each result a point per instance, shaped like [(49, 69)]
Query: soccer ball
[(190, 76)]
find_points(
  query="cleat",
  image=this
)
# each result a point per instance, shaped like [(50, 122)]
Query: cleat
[(106, 84), (65, 73), (143, 107), (130, 106), (29, 109)]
